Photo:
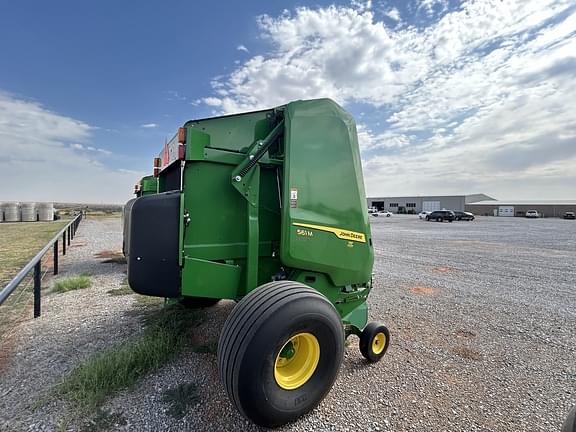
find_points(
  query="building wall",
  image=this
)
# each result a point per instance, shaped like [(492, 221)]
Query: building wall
[(547, 210), (414, 204)]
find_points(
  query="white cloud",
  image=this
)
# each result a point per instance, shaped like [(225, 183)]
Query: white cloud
[(393, 14), (432, 7), (149, 125), (212, 101), (81, 147), (47, 157), (482, 93), (242, 48), (173, 95)]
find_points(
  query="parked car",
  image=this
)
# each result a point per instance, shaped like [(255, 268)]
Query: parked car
[(532, 214), (569, 215), (465, 216), (372, 210), (441, 216), (423, 214), (382, 213)]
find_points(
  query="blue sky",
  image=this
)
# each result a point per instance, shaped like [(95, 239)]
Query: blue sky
[(449, 97)]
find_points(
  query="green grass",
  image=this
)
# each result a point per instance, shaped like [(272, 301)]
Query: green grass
[(181, 398), (72, 283), (19, 242), (166, 333)]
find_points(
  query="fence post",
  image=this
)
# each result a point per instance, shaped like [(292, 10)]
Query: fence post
[(64, 243), (55, 253), (68, 235), (37, 282)]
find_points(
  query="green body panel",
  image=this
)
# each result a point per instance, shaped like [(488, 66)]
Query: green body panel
[(242, 224), (148, 185), (323, 165), (202, 276), (233, 133)]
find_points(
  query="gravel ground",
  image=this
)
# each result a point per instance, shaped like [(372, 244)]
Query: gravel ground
[(482, 316)]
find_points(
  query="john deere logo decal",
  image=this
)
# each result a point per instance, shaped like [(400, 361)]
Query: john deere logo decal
[(339, 232)]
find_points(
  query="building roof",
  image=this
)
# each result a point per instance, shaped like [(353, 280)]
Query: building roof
[(525, 202)]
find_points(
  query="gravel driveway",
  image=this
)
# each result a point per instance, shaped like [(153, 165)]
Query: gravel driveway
[(482, 317)]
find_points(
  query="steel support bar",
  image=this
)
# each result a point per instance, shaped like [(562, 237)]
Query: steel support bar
[(55, 253), (252, 253), (37, 286)]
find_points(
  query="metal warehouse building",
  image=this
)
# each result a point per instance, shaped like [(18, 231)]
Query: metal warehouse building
[(519, 208), (416, 204)]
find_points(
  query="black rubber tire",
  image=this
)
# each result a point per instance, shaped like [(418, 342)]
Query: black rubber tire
[(197, 302), (366, 338), (254, 334), (570, 422), (439, 219)]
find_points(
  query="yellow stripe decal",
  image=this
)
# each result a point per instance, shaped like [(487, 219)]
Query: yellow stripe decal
[(340, 233)]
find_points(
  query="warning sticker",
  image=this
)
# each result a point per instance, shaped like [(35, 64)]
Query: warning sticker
[(293, 198)]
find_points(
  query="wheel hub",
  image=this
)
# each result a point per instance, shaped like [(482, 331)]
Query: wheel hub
[(297, 361), (379, 343)]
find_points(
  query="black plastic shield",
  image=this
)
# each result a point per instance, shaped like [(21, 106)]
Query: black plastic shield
[(152, 245)]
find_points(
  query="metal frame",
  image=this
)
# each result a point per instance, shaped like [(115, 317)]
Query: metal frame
[(67, 233)]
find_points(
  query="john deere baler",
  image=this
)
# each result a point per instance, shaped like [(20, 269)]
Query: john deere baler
[(268, 209)]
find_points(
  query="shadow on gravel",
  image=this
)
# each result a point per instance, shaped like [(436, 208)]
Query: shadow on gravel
[(92, 267)]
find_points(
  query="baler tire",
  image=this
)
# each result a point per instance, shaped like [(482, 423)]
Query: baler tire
[(570, 422), (374, 341), (258, 330), (198, 302)]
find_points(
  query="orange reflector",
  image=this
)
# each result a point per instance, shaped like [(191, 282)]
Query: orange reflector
[(157, 164), (181, 135)]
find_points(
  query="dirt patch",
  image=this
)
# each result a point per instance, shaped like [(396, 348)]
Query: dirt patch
[(115, 260), (7, 345), (443, 269), (109, 254), (467, 353), (423, 290), (465, 333)]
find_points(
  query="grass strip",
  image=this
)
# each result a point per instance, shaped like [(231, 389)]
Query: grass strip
[(72, 283), (166, 333)]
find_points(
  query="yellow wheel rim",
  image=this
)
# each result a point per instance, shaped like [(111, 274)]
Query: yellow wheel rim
[(297, 361), (378, 343)]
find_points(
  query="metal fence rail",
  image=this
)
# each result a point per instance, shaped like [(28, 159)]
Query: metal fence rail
[(67, 233)]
